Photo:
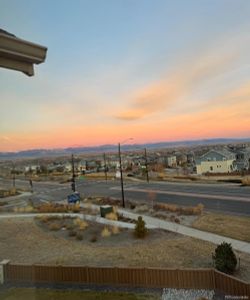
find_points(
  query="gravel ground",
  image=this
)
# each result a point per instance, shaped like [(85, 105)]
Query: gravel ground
[(23, 241), (183, 294)]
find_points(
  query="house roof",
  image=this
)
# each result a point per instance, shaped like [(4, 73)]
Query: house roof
[(18, 54), (228, 155), (6, 32)]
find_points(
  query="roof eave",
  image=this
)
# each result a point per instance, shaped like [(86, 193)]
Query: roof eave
[(20, 55)]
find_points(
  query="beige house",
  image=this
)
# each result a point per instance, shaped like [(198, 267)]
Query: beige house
[(216, 161)]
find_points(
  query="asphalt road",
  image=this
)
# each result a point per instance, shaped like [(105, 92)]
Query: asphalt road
[(231, 198)]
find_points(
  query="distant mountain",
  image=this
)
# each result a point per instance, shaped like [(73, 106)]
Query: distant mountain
[(35, 153)]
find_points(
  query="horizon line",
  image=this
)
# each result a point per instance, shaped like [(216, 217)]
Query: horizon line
[(128, 144)]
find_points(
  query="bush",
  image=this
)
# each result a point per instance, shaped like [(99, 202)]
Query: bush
[(140, 228), (69, 226), (81, 224), (111, 216), (72, 233), (224, 258), (246, 181), (79, 236), (54, 227), (93, 239), (105, 232), (115, 230)]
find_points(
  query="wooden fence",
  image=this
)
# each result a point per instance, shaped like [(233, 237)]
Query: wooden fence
[(135, 277)]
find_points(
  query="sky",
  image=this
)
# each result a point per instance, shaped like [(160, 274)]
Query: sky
[(151, 70)]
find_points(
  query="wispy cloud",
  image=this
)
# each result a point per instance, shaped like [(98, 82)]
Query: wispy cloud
[(160, 95)]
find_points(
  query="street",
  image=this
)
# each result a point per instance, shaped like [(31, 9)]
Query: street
[(229, 198)]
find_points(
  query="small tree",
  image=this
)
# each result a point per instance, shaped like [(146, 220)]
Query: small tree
[(224, 258), (140, 228)]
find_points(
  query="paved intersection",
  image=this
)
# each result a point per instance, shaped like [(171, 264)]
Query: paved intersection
[(231, 198)]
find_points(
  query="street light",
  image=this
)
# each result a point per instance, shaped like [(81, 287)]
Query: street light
[(120, 164), (105, 166), (146, 164)]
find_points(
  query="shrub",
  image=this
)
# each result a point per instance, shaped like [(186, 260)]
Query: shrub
[(140, 228), (115, 230), (93, 239), (224, 258), (76, 208), (177, 220), (69, 226), (132, 206), (54, 227), (43, 219), (28, 209), (83, 225), (105, 232), (112, 216), (246, 181), (79, 236), (72, 233)]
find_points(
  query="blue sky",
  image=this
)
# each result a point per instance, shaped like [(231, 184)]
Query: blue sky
[(127, 68)]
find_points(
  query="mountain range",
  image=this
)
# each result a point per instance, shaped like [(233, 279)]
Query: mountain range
[(34, 153)]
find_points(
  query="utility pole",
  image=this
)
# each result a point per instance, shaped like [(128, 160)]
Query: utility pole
[(121, 176), (146, 164), (73, 184), (105, 167), (14, 176)]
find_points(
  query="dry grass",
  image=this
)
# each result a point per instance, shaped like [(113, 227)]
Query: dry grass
[(235, 227), (115, 230), (98, 175), (54, 227), (57, 208), (105, 232), (246, 181), (81, 224), (25, 209), (193, 210), (112, 216)]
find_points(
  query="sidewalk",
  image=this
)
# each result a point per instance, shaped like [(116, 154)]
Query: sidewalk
[(185, 230)]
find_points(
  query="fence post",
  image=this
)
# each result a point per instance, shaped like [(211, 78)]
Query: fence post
[(213, 277), (3, 265)]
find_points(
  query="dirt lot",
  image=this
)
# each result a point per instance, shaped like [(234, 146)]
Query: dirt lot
[(236, 227), (24, 241)]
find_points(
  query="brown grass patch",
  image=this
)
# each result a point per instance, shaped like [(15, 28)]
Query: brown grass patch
[(54, 227), (236, 227), (105, 232), (192, 210), (111, 216), (246, 181)]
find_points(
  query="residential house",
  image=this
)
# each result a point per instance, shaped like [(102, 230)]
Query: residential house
[(171, 161), (243, 159), (216, 161)]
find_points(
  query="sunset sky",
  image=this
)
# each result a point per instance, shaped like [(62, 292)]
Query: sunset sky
[(148, 69)]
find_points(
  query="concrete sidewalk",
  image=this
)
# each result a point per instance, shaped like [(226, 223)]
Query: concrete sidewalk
[(185, 230), (188, 231)]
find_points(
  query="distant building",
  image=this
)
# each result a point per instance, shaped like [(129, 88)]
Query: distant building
[(216, 161), (243, 159), (171, 161), (31, 168), (181, 158)]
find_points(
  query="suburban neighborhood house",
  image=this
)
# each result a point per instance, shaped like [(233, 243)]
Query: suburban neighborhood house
[(216, 161)]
